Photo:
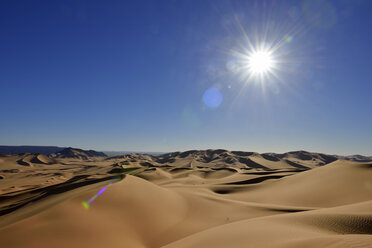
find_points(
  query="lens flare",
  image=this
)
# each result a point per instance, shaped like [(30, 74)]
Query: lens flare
[(212, 97), (86, 204)]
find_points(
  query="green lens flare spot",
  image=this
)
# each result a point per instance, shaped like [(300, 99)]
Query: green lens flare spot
[(85, 205)]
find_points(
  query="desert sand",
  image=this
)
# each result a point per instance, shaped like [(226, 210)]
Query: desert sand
[(212, 198)]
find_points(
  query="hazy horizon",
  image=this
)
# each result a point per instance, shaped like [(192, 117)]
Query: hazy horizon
[(180, 150), (172, 76)]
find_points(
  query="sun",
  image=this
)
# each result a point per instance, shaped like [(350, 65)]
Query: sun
[(260, 62), (256, 63)]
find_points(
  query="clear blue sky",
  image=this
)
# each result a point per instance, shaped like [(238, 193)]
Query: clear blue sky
[(161, 75)]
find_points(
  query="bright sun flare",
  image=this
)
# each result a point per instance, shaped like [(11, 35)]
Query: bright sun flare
[(260, 62)]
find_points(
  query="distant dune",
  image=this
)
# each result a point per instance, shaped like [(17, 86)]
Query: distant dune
[(77, 153), (46, 150), (198, 198), (232, 159), (54, 151), (357, 158)]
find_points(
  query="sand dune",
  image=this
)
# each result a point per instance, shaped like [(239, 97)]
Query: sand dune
[(77, 154), (212, 198), (31, 159), (231, 159)]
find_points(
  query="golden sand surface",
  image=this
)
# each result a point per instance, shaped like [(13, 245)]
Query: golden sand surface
[(212, 198)]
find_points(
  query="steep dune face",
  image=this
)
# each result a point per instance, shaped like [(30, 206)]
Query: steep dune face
[(42, 159), (31, 159), (191, 199)]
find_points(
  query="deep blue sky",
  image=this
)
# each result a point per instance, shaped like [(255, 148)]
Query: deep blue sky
[(132, 75)]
